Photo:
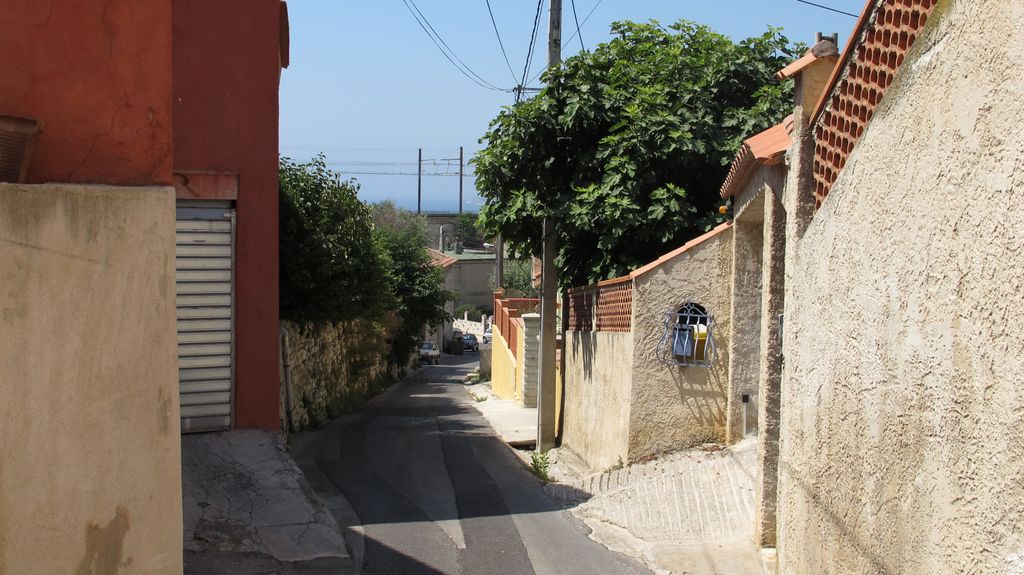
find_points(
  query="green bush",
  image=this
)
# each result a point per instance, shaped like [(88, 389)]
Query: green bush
[(330, 268), (342, 259)]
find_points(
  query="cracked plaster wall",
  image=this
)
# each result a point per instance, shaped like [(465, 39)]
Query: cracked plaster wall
[(98, 74), (90, 475), (902, 447)]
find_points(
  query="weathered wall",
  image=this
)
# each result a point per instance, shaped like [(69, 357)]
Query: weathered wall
[(90, 473), (745, 344), (678, 407), (98, 74), (770, 369), (597, 396), (333, 367), (902, 444), (226, 72), (473, 282)]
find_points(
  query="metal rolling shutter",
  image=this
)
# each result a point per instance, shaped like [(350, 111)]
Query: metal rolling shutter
[(204, 277)]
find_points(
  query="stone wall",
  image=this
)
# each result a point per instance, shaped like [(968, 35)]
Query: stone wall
[(902, 446), (333, 367), (675, 407), (597, 396), (90, 472)]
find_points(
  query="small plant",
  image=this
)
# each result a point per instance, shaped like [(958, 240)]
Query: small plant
[(539, 464), (615, 467), (479, 398)]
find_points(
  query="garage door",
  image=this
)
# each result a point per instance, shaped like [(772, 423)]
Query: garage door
[(204, 274)]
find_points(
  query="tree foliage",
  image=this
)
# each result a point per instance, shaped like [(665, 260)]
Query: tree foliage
[(518, 278), (466, 230), (341, 259), (416, 284), (330, 268), (627, 147)]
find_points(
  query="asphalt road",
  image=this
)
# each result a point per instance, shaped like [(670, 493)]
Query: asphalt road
[(420, 484)]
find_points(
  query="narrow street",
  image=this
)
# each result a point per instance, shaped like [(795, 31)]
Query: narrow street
[(420, 484)]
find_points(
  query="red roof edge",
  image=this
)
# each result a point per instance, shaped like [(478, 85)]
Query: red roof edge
[(764, 149), (680, 250), (440, 260)]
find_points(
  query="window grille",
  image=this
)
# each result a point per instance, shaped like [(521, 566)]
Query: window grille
[(688, 339)]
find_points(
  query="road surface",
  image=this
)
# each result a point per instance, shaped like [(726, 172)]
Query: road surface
[(421, 485)]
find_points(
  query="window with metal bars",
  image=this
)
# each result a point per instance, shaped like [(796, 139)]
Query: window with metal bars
[(688, 337)]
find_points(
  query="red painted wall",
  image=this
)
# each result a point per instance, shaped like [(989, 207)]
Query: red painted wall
[(98, 74), (226, 73)]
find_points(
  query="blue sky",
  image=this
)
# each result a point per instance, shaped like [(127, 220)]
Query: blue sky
[(367, 87)]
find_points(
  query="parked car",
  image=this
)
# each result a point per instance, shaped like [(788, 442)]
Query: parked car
[(470, 343), (487, 335), (429, 353)]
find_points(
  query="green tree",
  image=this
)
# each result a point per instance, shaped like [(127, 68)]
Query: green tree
[(518, 278), (330, 268), (416, 285), (628, 145), (466, 230)]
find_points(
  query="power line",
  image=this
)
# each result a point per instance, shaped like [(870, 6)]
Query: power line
[(829, 8), (574, 34), (453, 175), (450, 51), (582, 47), (467, 72), (500, 44), (529, 52)]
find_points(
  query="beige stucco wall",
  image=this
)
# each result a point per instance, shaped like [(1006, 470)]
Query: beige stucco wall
[(902, 436), (597, 396), (678, 407), (745, 341), (90, 472)]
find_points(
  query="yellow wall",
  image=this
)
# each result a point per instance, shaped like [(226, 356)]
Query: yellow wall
[(90, 461), (503, 366)]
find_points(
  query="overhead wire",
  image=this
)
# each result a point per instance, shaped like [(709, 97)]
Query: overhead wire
[(574, 35), (829, 8), (500, 43), (577, 20), (467, 72), (529, 52)]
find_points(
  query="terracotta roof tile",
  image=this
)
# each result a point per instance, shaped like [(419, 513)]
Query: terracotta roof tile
[(764, 149), (440, 260), (884, 34)]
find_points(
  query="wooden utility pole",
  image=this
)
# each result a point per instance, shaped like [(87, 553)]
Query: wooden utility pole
[(549, 291), (419, 183), (460, 178)]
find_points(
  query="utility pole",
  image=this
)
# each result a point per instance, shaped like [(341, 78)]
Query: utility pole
[(419, 183), (548, 344), (460, 179)]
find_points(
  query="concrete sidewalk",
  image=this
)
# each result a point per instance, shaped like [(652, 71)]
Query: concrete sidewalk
[(687, 512), (515, 425), (248, 509)]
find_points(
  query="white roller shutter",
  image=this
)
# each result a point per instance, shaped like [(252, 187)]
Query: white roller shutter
[(205, 301)]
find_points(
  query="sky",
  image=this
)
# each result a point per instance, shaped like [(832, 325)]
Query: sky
[(367, 88)]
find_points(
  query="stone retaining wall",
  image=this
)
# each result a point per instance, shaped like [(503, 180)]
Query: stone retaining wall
[(332, 367)]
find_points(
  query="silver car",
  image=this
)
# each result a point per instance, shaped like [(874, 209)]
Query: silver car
[(429, 353)]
